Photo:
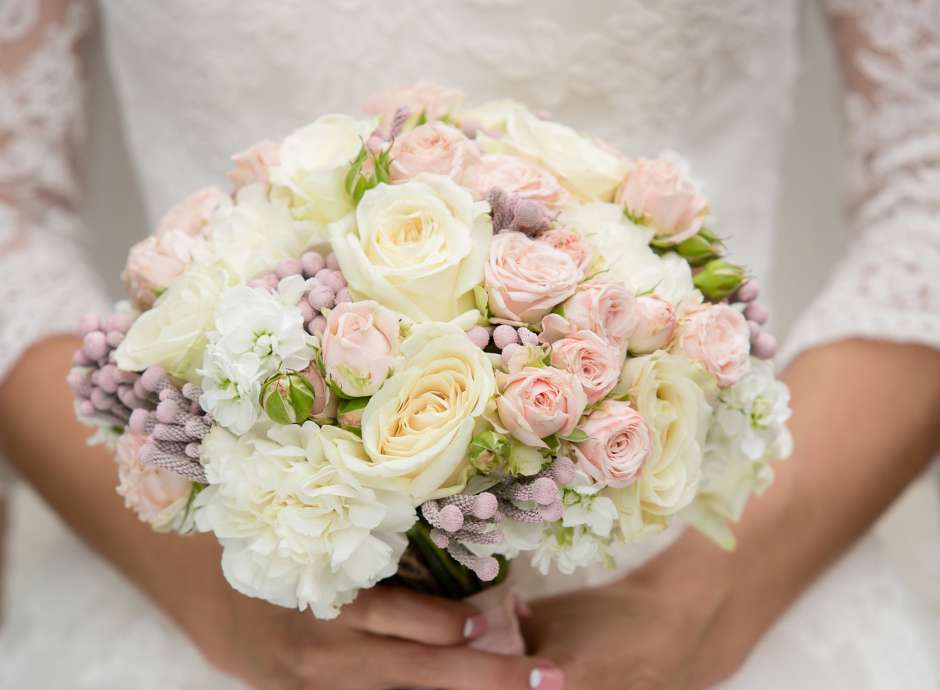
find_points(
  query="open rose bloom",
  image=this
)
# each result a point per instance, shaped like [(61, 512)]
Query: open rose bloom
[(426, 340)]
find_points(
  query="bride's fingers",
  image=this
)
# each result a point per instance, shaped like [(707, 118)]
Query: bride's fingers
[(398, 612), (404, 664)]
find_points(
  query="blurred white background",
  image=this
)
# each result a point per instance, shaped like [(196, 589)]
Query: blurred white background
[(810, 237)]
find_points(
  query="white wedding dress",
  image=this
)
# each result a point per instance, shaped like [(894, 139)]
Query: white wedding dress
[(198, 81)]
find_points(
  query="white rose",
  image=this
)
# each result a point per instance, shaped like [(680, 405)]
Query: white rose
[(314, 162), (624, 252), (417, 428), (256, 233), (173, 333), (296, 528), (669, 392), (585, 168), (491, 115), (417, 247)]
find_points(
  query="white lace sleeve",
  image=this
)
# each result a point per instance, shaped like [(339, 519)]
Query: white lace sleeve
[(888, 285), (45, 284)]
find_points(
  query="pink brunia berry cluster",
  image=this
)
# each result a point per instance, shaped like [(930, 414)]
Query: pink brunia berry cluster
[(464, 519), (326, 285), (763, 344)]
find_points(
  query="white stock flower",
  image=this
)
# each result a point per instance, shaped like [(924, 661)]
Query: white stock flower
[(589, 170), (570, 549), (296, 528), (748, 432), (416, 429), (257, 333), (417, 247), (313, 164), (670, 393)]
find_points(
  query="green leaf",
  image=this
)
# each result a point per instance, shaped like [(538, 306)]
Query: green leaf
[(482, 300), (576, 436)]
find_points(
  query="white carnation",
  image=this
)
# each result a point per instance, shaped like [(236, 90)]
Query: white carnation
[(296, 529), (257, 333)]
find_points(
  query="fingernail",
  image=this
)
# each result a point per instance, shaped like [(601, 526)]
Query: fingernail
[(547, 679), (475, 627)]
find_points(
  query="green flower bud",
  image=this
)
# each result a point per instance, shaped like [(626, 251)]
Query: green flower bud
[(287, 398), (524, 460), (349, 412), (718, 279), (701, 248), (487, 450)]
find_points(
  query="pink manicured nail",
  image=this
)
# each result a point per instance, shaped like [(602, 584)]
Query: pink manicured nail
[(547, 679), (475, 627)]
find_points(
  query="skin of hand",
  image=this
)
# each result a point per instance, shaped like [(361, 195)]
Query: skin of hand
[(864, 425), (389, 638)]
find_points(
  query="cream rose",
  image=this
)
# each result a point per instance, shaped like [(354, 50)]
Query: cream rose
[(313, 166), (617, 445), (158, 260), (434, 148), (536, 402), (594, 361), (416, 429), (416, 247), (587, 169), (657, 193), (173, 334), (517, 176), (525, 278), (359, 346), (718, 338), (656, 325), (157, 496), (670, 394)]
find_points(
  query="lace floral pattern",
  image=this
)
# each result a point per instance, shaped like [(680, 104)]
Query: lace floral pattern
[(888, 287)]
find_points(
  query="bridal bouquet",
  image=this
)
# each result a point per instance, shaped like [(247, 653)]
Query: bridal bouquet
[(422, 343)]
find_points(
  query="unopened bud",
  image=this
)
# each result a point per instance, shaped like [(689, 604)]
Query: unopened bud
[(349, 412), (701, 248), (287, 398), (718, 279)]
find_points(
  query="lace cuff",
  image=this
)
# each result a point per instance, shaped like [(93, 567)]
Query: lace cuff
[(888, 285)]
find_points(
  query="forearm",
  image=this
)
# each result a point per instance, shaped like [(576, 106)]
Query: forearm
[(40, 435), (866, 422)]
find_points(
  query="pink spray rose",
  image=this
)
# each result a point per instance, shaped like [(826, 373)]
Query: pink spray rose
[(422, 97), (595, 362), (156, 495), (517, 176), (432, 148), (252, 164), (718, 338), (605, 307), (657, 324), (657, 194), (617, 445), (158, 260), (324, 401), (572, 244), (539, 401), (526, 278), (359, 346)]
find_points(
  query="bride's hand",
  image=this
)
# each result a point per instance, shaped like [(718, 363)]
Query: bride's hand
[(388, 638)]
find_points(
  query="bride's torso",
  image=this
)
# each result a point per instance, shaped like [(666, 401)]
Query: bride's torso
[(200, 81)]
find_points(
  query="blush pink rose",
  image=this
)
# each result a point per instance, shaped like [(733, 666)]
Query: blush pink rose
[(617, 446), (572, 244), (595, 362), (158, 260), (359, 346), (252, 164), (515, 176), (605, 307), (536, 402), (656, 325), (657, 194), (718, 338), (526, 278), (422, 97), (432, 148), (324, 401), (155, 495)]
